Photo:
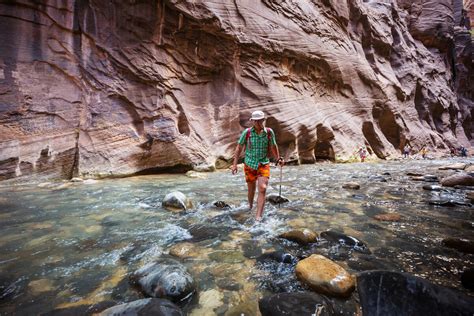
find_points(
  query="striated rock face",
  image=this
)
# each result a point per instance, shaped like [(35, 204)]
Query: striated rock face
[(92, 88)]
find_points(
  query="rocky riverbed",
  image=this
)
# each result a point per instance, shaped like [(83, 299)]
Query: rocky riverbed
[(82, 247)]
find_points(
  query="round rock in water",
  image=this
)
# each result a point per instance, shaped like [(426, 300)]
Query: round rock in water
[(325, 276), (165, 278), (176, 201), (351, 185), (462, 178), (276, 199), (303, 237), (144, 307)]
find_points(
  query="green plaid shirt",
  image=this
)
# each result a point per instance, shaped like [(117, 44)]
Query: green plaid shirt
[(258, 151)]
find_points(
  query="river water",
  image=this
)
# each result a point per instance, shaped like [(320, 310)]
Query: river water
[(75, 244)]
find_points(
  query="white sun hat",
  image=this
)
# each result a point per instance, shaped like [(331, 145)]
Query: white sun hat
[(257, 115)]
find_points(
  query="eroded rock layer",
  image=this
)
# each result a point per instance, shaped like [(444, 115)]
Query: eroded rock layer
[(109, 88)]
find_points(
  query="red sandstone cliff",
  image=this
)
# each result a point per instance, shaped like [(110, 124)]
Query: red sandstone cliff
[(97, 88)]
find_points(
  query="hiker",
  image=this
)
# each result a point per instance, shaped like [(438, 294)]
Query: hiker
[(259, 143), (463, 151), (452, 152), (406, 151), (423, 152), (362, 153)]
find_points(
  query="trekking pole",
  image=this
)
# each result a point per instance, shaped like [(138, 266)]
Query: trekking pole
[(279, 192)]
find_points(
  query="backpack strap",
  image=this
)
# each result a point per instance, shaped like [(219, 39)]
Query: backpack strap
[(247, 138)]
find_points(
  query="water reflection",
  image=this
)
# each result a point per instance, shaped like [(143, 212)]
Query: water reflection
[(70, 245)]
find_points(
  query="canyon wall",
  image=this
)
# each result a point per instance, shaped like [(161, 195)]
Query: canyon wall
[(110, 88)]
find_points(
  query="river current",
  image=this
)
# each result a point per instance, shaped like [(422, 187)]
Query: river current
[(66, 245)]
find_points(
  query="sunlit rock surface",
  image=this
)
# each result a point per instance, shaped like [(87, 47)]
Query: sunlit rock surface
[(93, 89)]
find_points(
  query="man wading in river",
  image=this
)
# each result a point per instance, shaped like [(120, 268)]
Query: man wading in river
[(259, 142)]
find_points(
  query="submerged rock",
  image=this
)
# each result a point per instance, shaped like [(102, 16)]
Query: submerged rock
[(144, 307), (278, 256), (276, 199), (345, 240), (324, 276), (302, 237), (165, 278), (388, 217), (467, 279), (174, 201), (393, 293), (463, 245)]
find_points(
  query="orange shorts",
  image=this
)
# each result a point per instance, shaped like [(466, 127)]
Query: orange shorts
[(252, 175)]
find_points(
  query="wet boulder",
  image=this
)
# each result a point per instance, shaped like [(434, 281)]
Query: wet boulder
[(276, 199), (302, 237), (345, 240), (221, 204), (176, 201), (455, 166), (325, 276), (393, 293), (467, 279), (304, 303), (461, 244), (377, 178), (447, 203), (277, 256), (461, 178), (351, 185), (388, 217), (164, 278), (144, 307), (432, 187)]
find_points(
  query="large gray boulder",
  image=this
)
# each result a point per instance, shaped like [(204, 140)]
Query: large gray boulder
[(393, 294), (164, 278)]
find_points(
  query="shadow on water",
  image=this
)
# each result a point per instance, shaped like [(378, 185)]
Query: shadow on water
[(76, 244)]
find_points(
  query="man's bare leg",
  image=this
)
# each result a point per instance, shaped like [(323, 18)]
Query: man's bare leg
[(251, 186), (262, 190)]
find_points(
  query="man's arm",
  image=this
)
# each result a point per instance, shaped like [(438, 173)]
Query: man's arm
[(237, 152), (276, 154)]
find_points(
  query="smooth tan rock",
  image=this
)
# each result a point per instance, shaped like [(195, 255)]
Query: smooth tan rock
[(324, 276), (302, 237), (351, 185), (37, 287), (197, 175), (184, 250), (461, 178), (388, 217), (469, 169), (456, 166)]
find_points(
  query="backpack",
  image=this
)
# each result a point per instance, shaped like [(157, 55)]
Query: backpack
[(247, 137)]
